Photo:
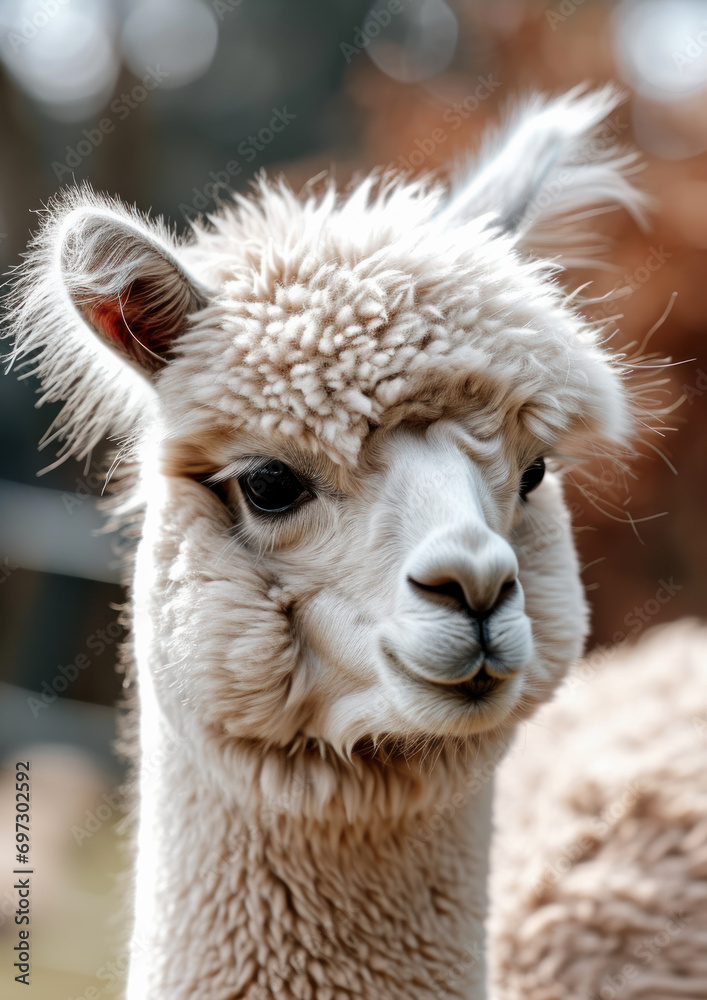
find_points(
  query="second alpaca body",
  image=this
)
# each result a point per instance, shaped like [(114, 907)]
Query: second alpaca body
[(352, 580)]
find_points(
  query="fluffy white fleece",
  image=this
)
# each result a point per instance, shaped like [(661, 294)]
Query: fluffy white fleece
[(327, 316)]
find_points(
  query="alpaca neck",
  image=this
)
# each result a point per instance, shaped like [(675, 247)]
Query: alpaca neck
[(240, 905)]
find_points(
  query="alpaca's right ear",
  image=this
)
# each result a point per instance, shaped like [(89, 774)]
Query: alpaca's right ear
[(546, 174), (100, 301)]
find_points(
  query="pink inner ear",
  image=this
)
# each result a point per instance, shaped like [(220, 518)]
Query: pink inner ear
[(108, 319), (137, 330), (128, 287)]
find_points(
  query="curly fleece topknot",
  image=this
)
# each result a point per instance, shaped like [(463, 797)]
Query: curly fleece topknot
[(321, 318)]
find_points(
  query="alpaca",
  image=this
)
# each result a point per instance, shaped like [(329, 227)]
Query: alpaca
[(343, 423), (599, 883)]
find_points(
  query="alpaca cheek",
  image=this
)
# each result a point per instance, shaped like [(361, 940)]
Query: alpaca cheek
[(336, 632), (550, 575)]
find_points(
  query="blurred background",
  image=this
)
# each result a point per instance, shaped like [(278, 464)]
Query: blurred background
[(171, 103)]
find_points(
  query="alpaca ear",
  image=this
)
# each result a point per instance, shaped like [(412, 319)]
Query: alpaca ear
[(550, 167), (126, 284), (99, 302)]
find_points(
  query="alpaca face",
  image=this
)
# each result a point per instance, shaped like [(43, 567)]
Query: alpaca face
[(417, 592), (407, 582), (417, 604), (341, 411)]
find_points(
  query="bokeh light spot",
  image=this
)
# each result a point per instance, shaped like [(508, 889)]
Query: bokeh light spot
[(178, 35), (416, 43), (661, 46), (62, 54)]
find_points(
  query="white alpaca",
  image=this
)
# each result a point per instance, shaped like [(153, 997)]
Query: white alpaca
[(348, 590)]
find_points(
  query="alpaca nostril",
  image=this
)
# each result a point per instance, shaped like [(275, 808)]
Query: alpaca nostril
[(451, 592), (507, 590)]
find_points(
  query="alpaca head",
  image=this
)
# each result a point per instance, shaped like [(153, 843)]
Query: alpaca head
[(341, 410)]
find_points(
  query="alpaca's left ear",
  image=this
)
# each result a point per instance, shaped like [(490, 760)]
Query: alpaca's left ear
[(126, 283), (548, 169)]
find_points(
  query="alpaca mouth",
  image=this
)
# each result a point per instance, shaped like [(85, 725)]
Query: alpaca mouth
[(479, 687)]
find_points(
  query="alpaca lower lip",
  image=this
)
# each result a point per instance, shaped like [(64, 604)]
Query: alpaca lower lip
[(480, 686), (476, 688)]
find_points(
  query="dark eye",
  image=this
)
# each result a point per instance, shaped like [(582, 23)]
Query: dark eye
[(272, 487), (532, 477)]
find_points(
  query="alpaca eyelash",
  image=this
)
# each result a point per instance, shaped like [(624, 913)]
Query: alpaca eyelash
[(236, 469), (244, 502), (305, 470)]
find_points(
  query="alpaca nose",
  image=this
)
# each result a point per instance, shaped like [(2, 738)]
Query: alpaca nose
[(474, 580), (451, 592)]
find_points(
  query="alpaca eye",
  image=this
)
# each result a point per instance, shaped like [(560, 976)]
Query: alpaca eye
[(272, 487), (532, 477)]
